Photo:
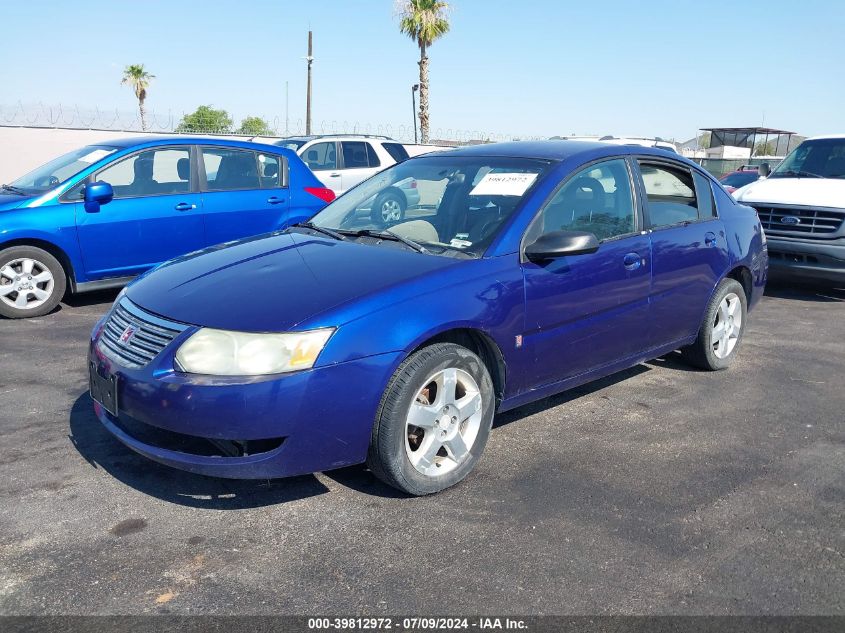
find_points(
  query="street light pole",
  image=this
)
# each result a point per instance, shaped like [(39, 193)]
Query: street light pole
[(414, 89), (310, 60)]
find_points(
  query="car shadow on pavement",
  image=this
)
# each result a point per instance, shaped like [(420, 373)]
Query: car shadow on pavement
[(106, 297), (514, 415), (101, 450), (360, 479), (805, 292)]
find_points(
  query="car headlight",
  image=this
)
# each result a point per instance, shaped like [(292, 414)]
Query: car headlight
[(223, 353)]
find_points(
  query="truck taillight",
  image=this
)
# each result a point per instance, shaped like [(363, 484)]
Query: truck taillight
[(323, 193)]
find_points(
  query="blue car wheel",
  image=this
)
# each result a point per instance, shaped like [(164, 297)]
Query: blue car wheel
[(433, 421), (32, 282), (721, 329)]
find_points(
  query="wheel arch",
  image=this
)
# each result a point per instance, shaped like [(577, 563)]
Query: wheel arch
[(398, 192), (481, 344), (742, 274), (54, 250)]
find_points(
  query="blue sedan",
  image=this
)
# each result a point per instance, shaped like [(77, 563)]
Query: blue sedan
[(98, 216), (528, 269)]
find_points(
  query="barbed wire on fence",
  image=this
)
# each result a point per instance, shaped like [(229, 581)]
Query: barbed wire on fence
[(41, 115)]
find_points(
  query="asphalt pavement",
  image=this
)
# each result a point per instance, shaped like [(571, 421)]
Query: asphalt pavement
[(660, 490)]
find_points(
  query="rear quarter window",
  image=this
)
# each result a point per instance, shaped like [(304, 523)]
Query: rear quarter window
[(397, 151)]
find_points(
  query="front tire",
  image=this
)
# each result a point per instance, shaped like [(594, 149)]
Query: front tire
[(32, 282), (721, 329), (433, 421)]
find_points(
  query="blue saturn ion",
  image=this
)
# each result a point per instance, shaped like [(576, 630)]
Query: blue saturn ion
[(524, 270), (97, 216)]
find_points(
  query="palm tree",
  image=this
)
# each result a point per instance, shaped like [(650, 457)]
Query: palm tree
[(139, 79), (423, 21)]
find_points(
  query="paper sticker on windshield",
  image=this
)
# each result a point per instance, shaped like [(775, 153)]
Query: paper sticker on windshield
[(503, 185), (94, 156)]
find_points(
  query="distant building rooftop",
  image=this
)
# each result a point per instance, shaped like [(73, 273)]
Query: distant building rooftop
[(746, 137)]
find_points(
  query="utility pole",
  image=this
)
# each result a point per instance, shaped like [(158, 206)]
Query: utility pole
[(310, 60), (414, 89)]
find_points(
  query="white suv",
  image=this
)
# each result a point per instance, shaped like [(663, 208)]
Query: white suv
[(341, 161)]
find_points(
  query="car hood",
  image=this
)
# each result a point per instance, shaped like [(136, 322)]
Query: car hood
[(10, 201), (272, 283), (815, 192)]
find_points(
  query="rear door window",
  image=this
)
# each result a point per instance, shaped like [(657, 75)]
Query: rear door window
[(321, 156), (670, 192), (704, 194), (354, 154), (372, 157), (229, 169), (271, 171)]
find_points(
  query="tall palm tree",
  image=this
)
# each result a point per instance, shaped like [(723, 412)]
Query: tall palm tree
[(139, 79), (423, 21)]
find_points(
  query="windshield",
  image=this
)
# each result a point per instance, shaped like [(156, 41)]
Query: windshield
[(739, 178), (449, 205), (820, 158), (60, 169), (291, 143)]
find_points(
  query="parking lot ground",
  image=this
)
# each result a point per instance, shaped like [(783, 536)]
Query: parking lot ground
[(658, 490)]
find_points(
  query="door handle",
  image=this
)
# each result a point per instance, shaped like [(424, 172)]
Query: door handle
[(632, 261), (710, 238), (184, 206), (275, 200), (334, 175)]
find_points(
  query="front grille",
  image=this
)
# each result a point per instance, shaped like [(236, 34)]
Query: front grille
[(133, 337), (810, 221)]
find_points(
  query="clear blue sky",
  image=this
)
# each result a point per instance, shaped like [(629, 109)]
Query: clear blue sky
[(535, 67)]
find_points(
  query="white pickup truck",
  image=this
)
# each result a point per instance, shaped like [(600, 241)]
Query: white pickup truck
[(801, 205)]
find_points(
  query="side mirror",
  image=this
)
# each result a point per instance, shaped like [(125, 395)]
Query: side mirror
[(560, 244), (764, 170), (96, 194)]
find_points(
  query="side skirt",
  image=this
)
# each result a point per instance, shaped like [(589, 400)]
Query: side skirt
[(103, 284), (576, 381)]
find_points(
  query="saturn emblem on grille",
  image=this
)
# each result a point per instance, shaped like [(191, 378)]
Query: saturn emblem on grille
[(790, 219), (127, 335)]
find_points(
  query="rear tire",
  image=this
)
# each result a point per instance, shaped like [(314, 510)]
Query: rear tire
[(32, 282), (388, 208), (447, 391), (721, 329)]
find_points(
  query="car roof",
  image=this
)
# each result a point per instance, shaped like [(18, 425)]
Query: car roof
[(149, 141), (821, 137), (559, 150)]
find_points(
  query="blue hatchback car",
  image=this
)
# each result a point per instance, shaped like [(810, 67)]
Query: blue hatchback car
[(526, 269), (100, 215)]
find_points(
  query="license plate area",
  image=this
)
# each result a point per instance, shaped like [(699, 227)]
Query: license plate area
[(103, 389)]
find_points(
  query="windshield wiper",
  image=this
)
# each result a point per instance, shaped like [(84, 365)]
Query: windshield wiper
[(385, 234), (322, 229), (797, 173), (14, 189)]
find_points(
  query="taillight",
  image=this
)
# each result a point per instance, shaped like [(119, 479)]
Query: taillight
[(413, 184), (323, 193)]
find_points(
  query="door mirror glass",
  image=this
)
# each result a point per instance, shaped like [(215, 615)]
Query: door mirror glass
[(560, 244), (96, 194)]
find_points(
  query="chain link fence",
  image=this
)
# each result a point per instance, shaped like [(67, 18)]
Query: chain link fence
[(75, 117)]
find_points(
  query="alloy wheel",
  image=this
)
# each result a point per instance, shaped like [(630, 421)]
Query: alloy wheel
[(391, 210), (25, 283), (443, 422), (727, 326)]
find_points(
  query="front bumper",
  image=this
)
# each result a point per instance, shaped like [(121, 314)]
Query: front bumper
[(286, 425), (811, 259)]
